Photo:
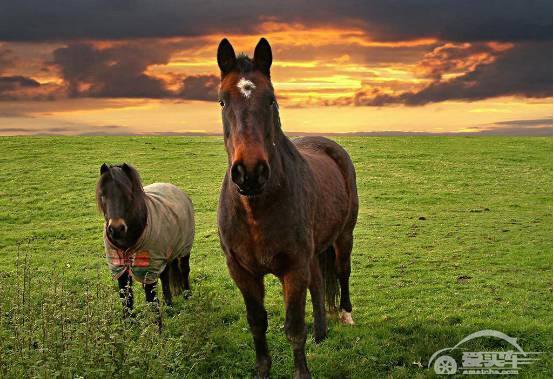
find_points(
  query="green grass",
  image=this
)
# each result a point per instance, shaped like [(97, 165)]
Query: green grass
[(454, 235)]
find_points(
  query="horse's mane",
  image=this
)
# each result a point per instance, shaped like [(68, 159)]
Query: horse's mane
[(126, 177)]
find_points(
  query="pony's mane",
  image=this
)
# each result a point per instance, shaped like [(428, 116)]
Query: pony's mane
[(126, 177)]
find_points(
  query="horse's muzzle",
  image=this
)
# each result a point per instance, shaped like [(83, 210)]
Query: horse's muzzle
[(117, 228), (250, 181)]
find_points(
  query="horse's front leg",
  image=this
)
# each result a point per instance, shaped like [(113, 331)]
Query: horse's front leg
[(252, 289), (152, 299), (295, 285), (125, 282)]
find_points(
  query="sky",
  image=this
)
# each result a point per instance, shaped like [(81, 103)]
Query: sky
[(93, 67)]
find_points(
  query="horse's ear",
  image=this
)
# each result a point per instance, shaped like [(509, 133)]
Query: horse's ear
[(104, 168), (263, 56), (126, 168), (226, 58)]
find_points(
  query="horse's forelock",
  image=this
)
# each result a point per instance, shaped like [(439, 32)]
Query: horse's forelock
[(244, 64), (126, 178)]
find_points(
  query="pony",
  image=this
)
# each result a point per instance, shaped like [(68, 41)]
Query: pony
[(286, 208), (148, 234)]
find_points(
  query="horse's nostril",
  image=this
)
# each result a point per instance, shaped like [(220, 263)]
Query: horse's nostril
[(262, 171), (117, 229), (250, 179), (238, 174)]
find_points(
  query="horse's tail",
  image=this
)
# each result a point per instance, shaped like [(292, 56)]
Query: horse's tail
[(330, 279), (178, 271)]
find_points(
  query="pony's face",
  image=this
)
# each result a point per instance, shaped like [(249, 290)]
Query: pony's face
[(115, 194), (249, 113)]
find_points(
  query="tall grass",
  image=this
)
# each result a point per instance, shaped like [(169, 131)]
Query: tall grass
[(51, 330)]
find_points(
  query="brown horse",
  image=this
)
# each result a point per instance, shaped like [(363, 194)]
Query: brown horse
[(286, 208)]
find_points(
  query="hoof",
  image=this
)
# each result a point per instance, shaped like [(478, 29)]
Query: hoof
[(263, 374), (320, 339), (263, 366), (320, 336), (346, 317), (304, 374), (128, 314)]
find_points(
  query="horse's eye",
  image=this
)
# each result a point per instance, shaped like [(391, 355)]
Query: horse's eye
[(222, 103)]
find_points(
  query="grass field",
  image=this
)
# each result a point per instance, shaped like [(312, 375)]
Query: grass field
[(454, 235)]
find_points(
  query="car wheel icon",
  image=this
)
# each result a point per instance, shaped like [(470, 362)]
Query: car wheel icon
[(445, 365)]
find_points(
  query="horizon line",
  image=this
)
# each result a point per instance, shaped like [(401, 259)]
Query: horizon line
[(527, 132)]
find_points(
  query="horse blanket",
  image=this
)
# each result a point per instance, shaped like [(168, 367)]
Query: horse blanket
[(168, 235)]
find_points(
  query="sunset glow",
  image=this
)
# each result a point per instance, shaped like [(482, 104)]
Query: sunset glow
[(328, 78)]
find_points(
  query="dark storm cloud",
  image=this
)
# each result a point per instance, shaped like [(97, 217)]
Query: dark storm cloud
[(453, 20), (117, 71), (120, 71), (10, 86), (200, 87), (468, 20), (9, 83), (525, 70)]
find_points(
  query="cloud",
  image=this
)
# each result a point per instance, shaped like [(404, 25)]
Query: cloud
[(349, 52), (126, 49), (452, 20), (6, 59), (526, 123), (532, 127), (115, 71), (32, 126), (200, 87), (525, 71), (10, 83), (17, 87), (120, 71), (458, 57)]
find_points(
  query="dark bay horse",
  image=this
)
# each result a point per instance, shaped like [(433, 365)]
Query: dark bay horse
[(286, 207), (148, 233)]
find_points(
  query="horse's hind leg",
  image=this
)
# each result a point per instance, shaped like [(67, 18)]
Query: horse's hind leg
[(318, 301), (166, 287), (185, 268), (343, 251)]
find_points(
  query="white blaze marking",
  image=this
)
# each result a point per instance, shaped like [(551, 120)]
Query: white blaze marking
[(246, 87)]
